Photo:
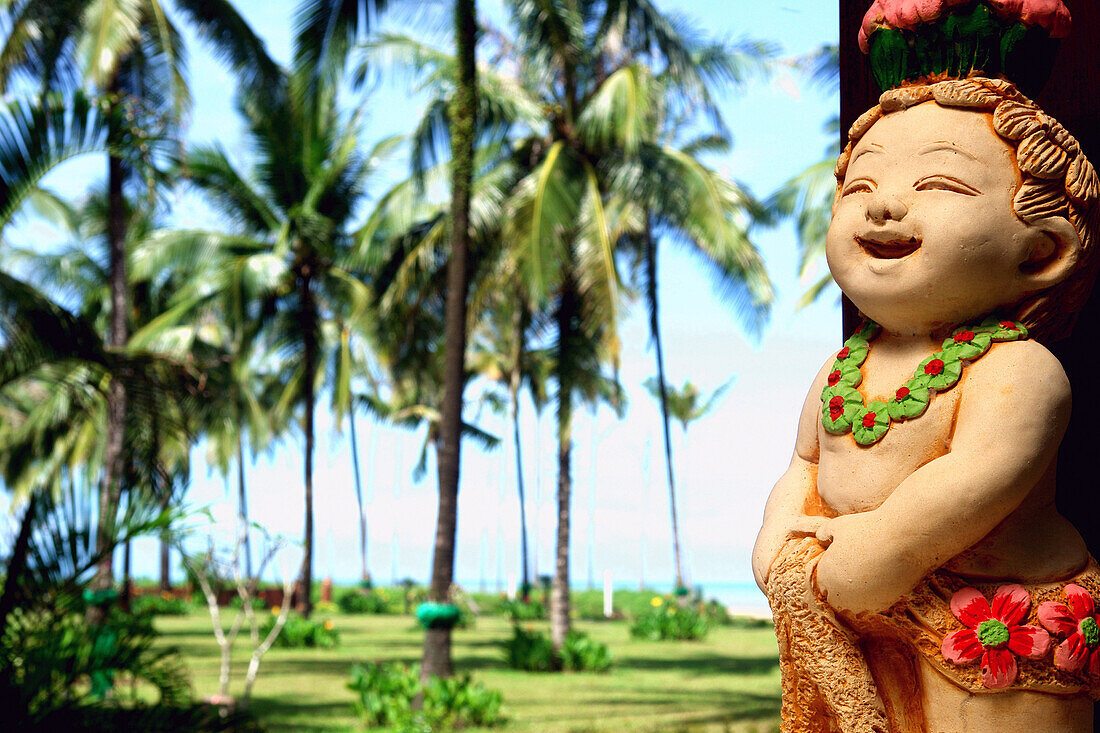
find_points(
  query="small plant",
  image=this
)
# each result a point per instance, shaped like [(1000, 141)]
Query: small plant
[(519, 611), (237, 604), (163, 604), (367, 601), (582, 654), (303, 633), (386, 693), (665, 620), (532, 651)]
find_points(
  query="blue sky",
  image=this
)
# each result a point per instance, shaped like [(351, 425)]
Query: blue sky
[(725, 466)]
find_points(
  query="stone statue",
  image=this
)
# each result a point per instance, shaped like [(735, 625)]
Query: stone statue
[(920, 576)]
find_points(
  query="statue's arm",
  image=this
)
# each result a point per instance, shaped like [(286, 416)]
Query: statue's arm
[(785, 513), (1011, 418)]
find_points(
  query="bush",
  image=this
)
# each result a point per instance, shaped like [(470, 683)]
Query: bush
[(300, 632), (257, 604), (163, 604), (370, 601), (386, 693), (519, 611), (52, 663), (666, 620), (582, 654), (532, 651)]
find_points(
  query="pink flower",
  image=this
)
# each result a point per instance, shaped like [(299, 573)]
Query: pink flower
[(994, 633), (905, 14), (1078, 623), (1053, 15)]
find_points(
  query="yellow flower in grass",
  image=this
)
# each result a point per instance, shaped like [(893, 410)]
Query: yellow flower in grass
[(671, 611), (329, 625), (656, 602), (275, 610)]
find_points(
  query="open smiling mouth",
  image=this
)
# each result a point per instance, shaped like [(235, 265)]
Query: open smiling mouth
[(893, 249)]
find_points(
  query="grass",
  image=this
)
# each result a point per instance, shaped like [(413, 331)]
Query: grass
[(727, 682)]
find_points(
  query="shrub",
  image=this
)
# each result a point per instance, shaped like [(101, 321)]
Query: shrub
[(582, 654), (301, 632), (386, 693), (529, 650), (371, 601), (519, 611), (666, 620), (160, 605), (53, 664), (532, 651), (257, 604)]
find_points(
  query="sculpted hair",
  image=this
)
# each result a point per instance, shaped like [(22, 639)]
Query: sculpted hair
[(1056, 180)]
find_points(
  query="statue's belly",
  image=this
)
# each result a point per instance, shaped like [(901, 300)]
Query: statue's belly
[(852, 478)]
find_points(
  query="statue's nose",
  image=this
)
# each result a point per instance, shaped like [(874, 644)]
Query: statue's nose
[(883, 207)]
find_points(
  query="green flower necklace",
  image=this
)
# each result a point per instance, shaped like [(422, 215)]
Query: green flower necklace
[(843, 408)]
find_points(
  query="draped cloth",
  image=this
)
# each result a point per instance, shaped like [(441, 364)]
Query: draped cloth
[(827, 683)]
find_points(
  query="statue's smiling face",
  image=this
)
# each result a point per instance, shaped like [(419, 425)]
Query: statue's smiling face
[(924, 234)]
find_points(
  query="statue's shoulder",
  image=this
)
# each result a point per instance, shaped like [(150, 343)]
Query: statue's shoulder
[(1021, 369)]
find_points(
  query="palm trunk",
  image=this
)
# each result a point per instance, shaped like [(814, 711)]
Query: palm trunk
[(559, 599), (242, 501), (525, 587), (662, 386), (111, 487), (308, 323), (359, 495), (513, 386), (437, 642)]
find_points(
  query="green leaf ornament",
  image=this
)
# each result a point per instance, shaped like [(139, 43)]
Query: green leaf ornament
[(845, 373), (910, 401), (840, 405), (943, 370), (968, 344), (871, 423), (842, 408)]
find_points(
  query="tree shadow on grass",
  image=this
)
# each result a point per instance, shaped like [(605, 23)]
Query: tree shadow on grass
[(273, 712), (703, 664)]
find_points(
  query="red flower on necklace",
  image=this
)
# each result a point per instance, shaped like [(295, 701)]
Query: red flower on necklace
[(994, 633), (901, 394), (1077, 622), (964, 336), (934, 367), (1009, 326), (844, 353), (869, 420), (834, 378), (836, 408)]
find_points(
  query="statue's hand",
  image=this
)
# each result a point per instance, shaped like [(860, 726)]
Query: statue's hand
[(854, 574)]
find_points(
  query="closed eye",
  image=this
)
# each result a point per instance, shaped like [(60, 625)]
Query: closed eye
[(946, 183), (858, 186)]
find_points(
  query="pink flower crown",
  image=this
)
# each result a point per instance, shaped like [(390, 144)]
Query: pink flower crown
[(911, 40)]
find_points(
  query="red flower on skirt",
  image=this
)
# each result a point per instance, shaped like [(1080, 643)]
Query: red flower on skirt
[(994, 633), (1078, 623)]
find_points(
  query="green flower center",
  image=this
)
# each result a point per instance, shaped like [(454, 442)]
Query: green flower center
[(1090, 630), (993, 633)]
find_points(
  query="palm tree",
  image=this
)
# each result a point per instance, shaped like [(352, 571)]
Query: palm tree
[(294, 246), (685, 406), (605, 174), (808, 196), (132, 55), (501, 354)]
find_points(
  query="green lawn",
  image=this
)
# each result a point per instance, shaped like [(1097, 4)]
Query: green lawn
[(728, 682)]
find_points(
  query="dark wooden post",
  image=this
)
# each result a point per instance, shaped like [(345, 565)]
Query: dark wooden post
[(1073, 98)]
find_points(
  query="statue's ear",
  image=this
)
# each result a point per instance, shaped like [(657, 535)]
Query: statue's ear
[(1055, 248)]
